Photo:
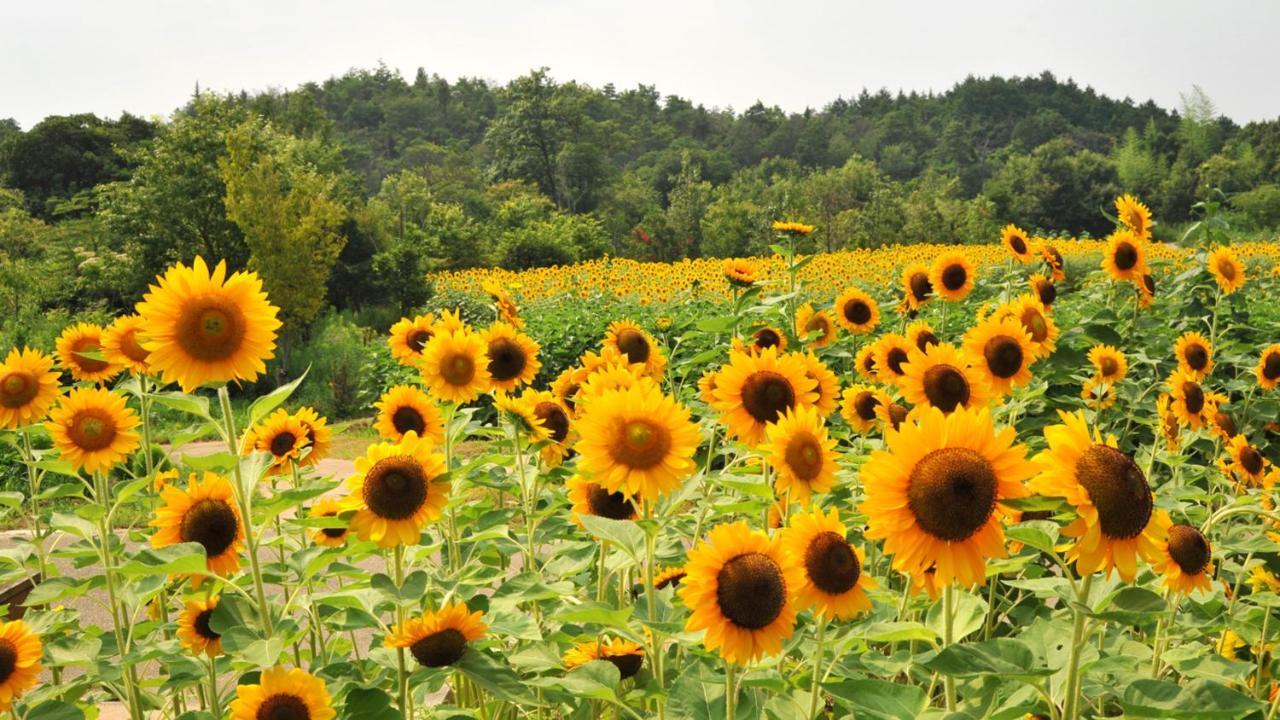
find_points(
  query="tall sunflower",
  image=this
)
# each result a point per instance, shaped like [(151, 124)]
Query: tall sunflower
[(122, 343), (513, 357), (1057, 266), (858, 406), (637, 345), (319, 435), (892, 351), (857, 311), (454, 365), (942, 377), (638, 441), (282, 437), (404, 409), (194, 631), (625, 655), (740, 588), (934, 495), (802, 453), (920, 335), (951, 275), (1044, 290), (396, 489), (1247, 461), (1185, 559), (1125, 256), (740, 272), (1015, 240), (589, 498), (917, 289), (20, 653), (1268, 368), (816, 326), (283, 695), (1035, 319), (1134, 215), (204, 327), (1001, 350), (1227, 270), (1188, 399), (28, 388), (328, 507), (834, 582), (439, 638), (1117, 519), (1109, 363), (80, 353), (1195, 355), (409, 336), (93, 429), (755, 390), (205, 512)]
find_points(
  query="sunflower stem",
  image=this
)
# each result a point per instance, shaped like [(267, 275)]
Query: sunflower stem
[(1071, 706), (655, 651), (1263, 656), (244, 499), (730, 691), (815, 689), (118, 616), (402, 675), (451, 536), (214, 699), (33, 482), (144, 404), (948, 637)]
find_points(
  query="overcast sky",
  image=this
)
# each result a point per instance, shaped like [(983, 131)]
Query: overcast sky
[(106, 56)]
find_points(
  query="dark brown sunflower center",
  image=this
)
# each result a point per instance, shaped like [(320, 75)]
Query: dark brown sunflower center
[(612, 505), (1271, 366), (804, 456), (925, 338), (1018, 244), (1225, 422), (131, 348), (1118, 489), (1189, 548), (670, 579), (8, 659), (766, 338), (332, 532), (17, 389), (946, 387), (857, 312), (634, 345), (395, 487), (283, 443), (952, 493), (554, 419), (1197, 357), (628, 665), (92, 429), (283, 707), (1149, 283), (212, 329), (1193, 397), (897, 415), (81, 351), (407, 418), (213, 524), (1004, 356), (1108, 366), (506, 359), (641, 444), (1035, 324), (1047, 292), (954, 277), (751, 590), (440, 649), (818, 324), (865, 404), (766, 395), (458, 369), (201, 625), (1126, 256), (921, 288), (894, 359), (1251, 460), (1227, 268), (1055, 257), (831, 564), (418, 339)]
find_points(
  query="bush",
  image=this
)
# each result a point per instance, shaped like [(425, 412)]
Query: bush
[(532, 251), (339, 353)]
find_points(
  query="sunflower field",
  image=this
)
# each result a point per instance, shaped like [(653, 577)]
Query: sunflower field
[(1030, 479)]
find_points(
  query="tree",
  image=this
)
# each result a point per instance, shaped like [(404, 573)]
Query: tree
[(528, 136)]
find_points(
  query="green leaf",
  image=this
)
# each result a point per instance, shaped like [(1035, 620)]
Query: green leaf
[(11, 500), (1002, 656), (73, 525), (623, 534), (180, 559), (370, 703), (1131, 606), (182, 402), (880, 699), (263, 406), (1196, 699), (597, 680), (596, 614), (498, 680), (885, 632), (1038, 534), (970, 613), (55, 710)]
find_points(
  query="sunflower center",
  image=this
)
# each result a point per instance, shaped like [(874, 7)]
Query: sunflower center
[(1227, 269), (634, 345), (1119, 490), (641, 444), (212, 329), (766, 395), (897, 415), (1109, 367), (751, 590), (818, 324), (8, 659), (282, 444), (921, 288), (213, 524), (628, 665), (334, 533), (1004, 356), (418, 339), (1035, 324), (1271, 366), (952, 493), (440, 649), (1048, 292), (865, 404), (1149, 283), (946, 387), (554, 419), (857, 312), (458, 370), (1193, 397), (201, 625), (395, 487), (1189, 549), (1126, 256), (767, 337), (407, 418), (1197, 357), (131, 348), (831, 564), (612, 505), (954, 277), (925, 338), (1251, 460), (1225, 422), (1018, 244), (283, 707), (894, 359), (804, 456), (17, 389), (88, 364), (92, 429), (506, 359)]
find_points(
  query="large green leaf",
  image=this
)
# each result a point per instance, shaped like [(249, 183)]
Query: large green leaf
[(1001, 656), (879, 699), (1196, 699), (623, 534), (274, 399)]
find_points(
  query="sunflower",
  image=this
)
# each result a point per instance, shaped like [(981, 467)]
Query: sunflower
[(765, 337), (28, 387), (440, 638), (1044, 290), (206, 513), (755, 390), (409, 336), (283, 437), (1125, 256), (283, 695), (638, 441), (668, 577), (1195, 355), (1053, 258), (1227, 270), (588, 498), (1188, 399), (1185, 559), (1117, 518), (803, 455), (892, 353), (404, 409), (1268, 368), (319, 436), (1109, 364), (1134, 215), (1223, 423), (1035, 319), (396, 489), (942, 377), (1246, 461), (789, 227), (952, 276), (1015, 240), (20, 653), (93, 429), (193, 628), (80, 353), (566, 386), (328, 507), (1146, 290), (857, 311), (1098, 394), (834, 583), (122, 344), (739, 272), (920, 334), (627, 656), (513, 357), (917, 289), (892, 415), (740, 588), (206, 327), (1169, 425), (556, 423), (858, 406), (454, 365), (934, 495), (826, 384), (638, 346), (1001, 350), (816, 326), (865, 363)]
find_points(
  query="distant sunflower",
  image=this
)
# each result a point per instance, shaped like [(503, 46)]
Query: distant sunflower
[(858, 406), (1016, 242), (405, 408), (892, 353), (667, 577), (455, 366), (834, 583), (934, 495), (638, 441), (767, 336), (566, 387), (791, 227), (826, 384), (204, 326), (1035, 319), (916, 286), (122, 343), (409, 336), (816, 326), (892, 416), (1001, 350), (1057, 267), (1134, 215), (282, 437), (1188, 400), (857, 311), (80, 353), (28, 388), (589, 498), (921, 335), (93, 429), (755, 390), (1227, 270), (1146, 290), (193, 628), (1246, 461), (1195, 355), (1109, 363), (1268, 369), (740, 272), (1169, 423), (328, 507), (512, 355), (319, 435), (204, 512), (1044, 289), (396, 489), (1185, 559), (637, 345), (1117, 519), (283, 695), (865, 363), (802, 454), (450, 321), (625, 655), (739, 587), (942, 377), (20, 653), (951, 276), (439, 638), (1125, 256), (1098, 394), (556, 423)]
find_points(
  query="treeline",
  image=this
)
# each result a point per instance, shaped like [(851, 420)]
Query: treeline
[(347, 192)]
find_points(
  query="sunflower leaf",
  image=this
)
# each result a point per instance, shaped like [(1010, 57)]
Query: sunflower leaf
[(263, 406)]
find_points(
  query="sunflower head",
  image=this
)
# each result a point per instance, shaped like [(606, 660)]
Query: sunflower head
[(1227, 270), (1268, 369), (396, 489), (667, 577), (194, 631), (440, 638), (455, 365), (1109, 364), (857, 311), (1035, 319), (1189, 400), (1002, 351), (943, 377), (920, 334), (204, 512), (627, 656), (28, 387), (80, 353), (122, 344), (404, 409), (858, 406), (1057, 266), (282, 437), (834, 582), (815, 326), (1246, 460), (328, 507), (1185, 559), (753, 391), (1016, 241), (865, 363), (638, 441), (802, 454), (765, 337), (1195, 354), (740, 272), (1044, 290), (790, 227), (917, 288), (283, 695), (951, 276), (589, 498), (892, 351), (1134, 215), (93, 429), (1125, 256), (409, 337), (20, 653), (512, 357)]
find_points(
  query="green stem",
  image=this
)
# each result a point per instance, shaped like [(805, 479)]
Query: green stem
[(1072, 705), (730, 691), (214, 699), (650, 552), (1258, 685), (815, 689), (402, 674), (948, 637), (144, 403), (244, 498), (118, 615), (33, 482)]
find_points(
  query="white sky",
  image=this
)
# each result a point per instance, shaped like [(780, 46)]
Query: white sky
[(105, 56)]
